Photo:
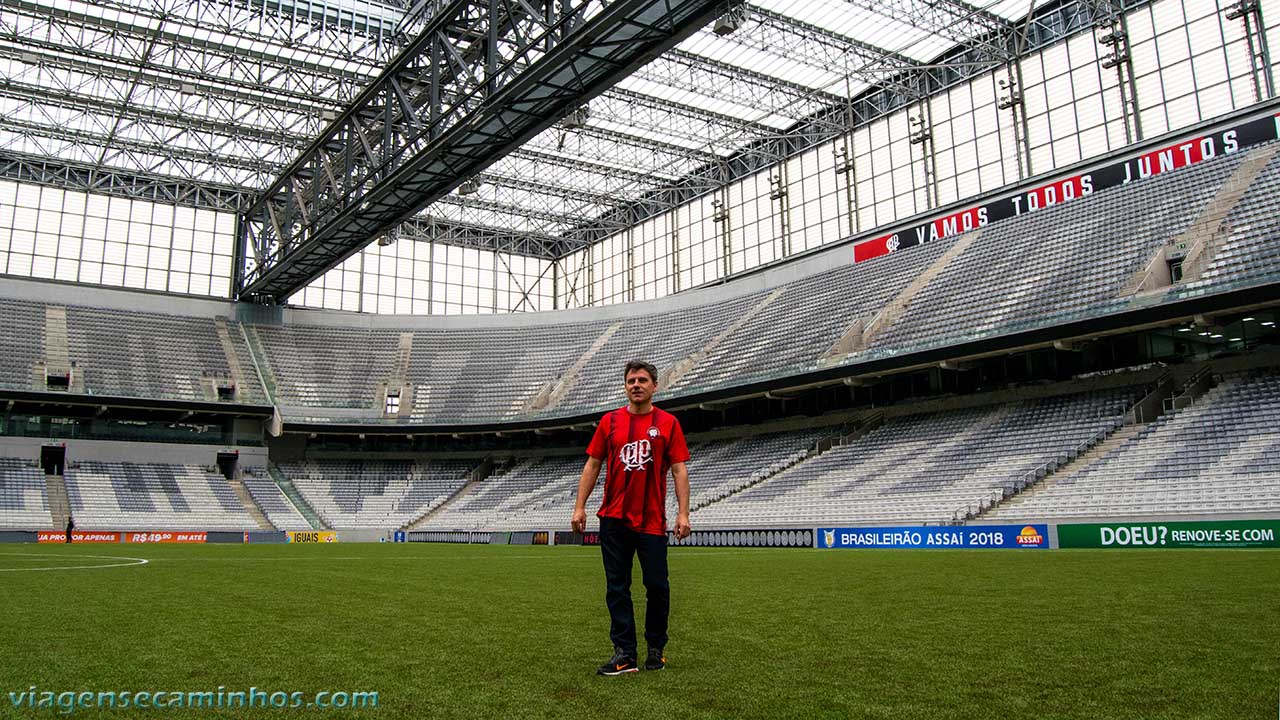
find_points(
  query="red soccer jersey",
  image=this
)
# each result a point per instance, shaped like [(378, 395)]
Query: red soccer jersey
[(638, 451)]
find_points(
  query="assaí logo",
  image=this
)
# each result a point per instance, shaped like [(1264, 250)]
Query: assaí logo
[(1030, 537)]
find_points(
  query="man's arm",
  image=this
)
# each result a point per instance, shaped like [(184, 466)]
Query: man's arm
[(586, 484), (681, 475)]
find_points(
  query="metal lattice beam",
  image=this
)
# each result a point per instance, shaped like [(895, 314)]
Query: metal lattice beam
[(897, 82), (202, 99), (479, 81), (88, 178)]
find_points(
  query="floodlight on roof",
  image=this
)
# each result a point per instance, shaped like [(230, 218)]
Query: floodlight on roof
[(1114, 59), (1114, 37), (720, 213), (1011, 97), (728, 23), (469, 187), (576, 119), (1235, 11), (920, 136)]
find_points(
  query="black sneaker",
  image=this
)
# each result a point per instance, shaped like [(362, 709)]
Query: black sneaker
[(657, 660), (621, 662)]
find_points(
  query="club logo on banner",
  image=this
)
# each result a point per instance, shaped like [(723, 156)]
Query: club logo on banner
[(957, 537)]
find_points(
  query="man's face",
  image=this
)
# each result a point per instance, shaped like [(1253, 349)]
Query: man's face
[(640, 387)]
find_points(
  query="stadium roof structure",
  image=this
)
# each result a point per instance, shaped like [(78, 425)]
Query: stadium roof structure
[(211, 103)]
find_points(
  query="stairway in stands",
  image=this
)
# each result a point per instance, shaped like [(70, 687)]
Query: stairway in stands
[(1165, 394), (251, 505), (304, 508), (233, 358), (1008, 508), (851, 431), (486, 470), (59, 504)]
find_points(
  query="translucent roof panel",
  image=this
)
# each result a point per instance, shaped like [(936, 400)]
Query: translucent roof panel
[(858, 22), (228, 92), (1012, 10)]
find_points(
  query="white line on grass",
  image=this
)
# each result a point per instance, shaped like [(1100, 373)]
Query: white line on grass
[(428, 558), (132, 562)]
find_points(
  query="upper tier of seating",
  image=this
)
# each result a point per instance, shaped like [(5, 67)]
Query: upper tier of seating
[(124, 352), (1046, 267), (1218, 456)]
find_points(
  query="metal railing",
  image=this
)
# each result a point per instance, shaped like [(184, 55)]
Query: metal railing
[(841, 436), (1192, 389), (1029, 478)]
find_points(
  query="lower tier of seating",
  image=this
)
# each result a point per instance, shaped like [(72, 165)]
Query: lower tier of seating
[(153, 496), (921, 468), (1220, 455), (278, 509), (24, 498), (540, 493), (383, 494)]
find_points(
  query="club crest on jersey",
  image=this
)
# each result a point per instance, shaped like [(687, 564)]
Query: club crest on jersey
[(653, 432), (635, 454)]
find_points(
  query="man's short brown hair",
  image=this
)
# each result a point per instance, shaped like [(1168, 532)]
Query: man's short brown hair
[(641, 365)]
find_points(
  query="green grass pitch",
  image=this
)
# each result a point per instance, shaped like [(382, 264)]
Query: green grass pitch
[(444, 631)]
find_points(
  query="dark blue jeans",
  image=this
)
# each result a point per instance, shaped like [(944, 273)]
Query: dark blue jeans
[(618, 544)]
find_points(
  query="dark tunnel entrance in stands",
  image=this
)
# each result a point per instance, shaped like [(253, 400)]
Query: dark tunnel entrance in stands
[(53, 459), (227, 462)]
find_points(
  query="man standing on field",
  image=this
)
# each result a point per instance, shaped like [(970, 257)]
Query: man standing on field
[(640, 443)]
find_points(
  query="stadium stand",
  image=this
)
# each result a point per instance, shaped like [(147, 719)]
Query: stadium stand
[(1049, 266), (21, 343), (517, 488), (829, 302), (1245, 248), (349, 494), (327, 366), (538, 493), (268, 496), (153, 496), (124, 352), (1006, 278), (1218, 456), (1084, 259), (447, 385), (921, 468), (1009, 280), (24, 499)]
